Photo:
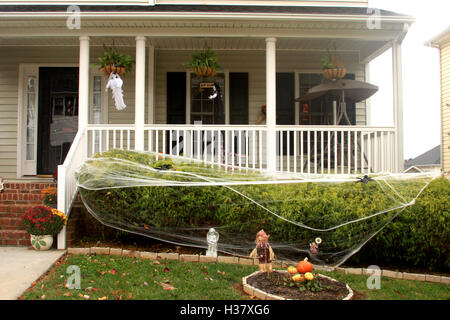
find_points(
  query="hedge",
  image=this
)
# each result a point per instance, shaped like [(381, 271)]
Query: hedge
[(417, 237)]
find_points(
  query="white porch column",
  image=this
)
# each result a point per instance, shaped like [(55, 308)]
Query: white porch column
[(83, 85), (398, 104), (151, 84), (271, 153), (139, 94)]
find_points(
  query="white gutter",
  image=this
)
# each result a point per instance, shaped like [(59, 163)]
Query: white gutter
[(211, 16)]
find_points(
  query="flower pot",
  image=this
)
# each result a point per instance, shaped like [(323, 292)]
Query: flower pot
[(112, 68), (334, 73), (41, 243)]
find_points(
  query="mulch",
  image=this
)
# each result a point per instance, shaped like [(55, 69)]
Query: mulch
[(331, 290)]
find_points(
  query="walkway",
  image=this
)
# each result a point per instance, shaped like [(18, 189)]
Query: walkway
[(20, 266)]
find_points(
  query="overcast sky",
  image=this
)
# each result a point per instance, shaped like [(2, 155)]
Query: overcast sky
[(421, 80)]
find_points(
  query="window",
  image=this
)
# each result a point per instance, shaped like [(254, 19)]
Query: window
[(206, 110), (30, 117)]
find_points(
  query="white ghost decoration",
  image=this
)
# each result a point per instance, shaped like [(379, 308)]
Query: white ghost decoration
[(115, 84)]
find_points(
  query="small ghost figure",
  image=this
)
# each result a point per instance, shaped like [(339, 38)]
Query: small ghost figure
[(212, 237), (214, 95), (115, 84), (263, 252)]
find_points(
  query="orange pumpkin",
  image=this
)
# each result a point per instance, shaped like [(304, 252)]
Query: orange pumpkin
[(292, 270), (304, 266)]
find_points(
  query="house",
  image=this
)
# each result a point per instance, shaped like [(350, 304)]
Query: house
[(442, 42), (428, 161), (55, 111)]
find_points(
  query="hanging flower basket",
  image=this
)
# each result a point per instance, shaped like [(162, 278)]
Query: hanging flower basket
[(204, 63), (334, 73), (108, 69), (114, 62)]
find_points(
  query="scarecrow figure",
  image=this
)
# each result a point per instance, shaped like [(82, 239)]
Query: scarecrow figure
[(263, 251)]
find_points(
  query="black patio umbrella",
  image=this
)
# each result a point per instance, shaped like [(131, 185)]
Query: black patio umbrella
[(343, 89)]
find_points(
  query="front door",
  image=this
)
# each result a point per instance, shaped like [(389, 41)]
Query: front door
[(57, 116)]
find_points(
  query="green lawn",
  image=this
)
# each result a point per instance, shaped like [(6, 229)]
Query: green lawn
[(111, 277)]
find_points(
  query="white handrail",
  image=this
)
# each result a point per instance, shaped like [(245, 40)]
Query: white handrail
[(67, 187)]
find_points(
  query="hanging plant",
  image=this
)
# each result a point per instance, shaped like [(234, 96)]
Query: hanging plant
[(333, 68), (114, 62), (204, 63)]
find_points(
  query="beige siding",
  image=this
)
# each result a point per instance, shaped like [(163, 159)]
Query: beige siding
[(445, 105)]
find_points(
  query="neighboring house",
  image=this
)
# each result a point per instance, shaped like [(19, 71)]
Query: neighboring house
[(55, 112), (428, 161), (442, 42)]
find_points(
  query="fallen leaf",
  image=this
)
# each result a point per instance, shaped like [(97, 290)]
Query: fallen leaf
[(113, 271), (67, 294), (43, 296), (145, 283), (166, 269), (167, 286), (146, 226), (86, 297), (156, 262), (103, 298)]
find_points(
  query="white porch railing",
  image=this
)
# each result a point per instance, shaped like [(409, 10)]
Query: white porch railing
[(234, 146), (67, 186), (335, 149)]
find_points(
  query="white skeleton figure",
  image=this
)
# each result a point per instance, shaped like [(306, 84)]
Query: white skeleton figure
[(115, 84)]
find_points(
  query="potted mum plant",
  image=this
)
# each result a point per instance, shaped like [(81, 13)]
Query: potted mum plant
[(112, 61), (42, 223), (50, 197), (333, 69), (204, 63)]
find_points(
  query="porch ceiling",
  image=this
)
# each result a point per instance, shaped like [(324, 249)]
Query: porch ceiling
[(345, 46)]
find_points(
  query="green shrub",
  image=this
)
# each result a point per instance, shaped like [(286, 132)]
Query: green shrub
[(418, 233), (419, 236)]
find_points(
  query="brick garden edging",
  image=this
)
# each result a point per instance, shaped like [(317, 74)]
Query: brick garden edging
[(249, 261)]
